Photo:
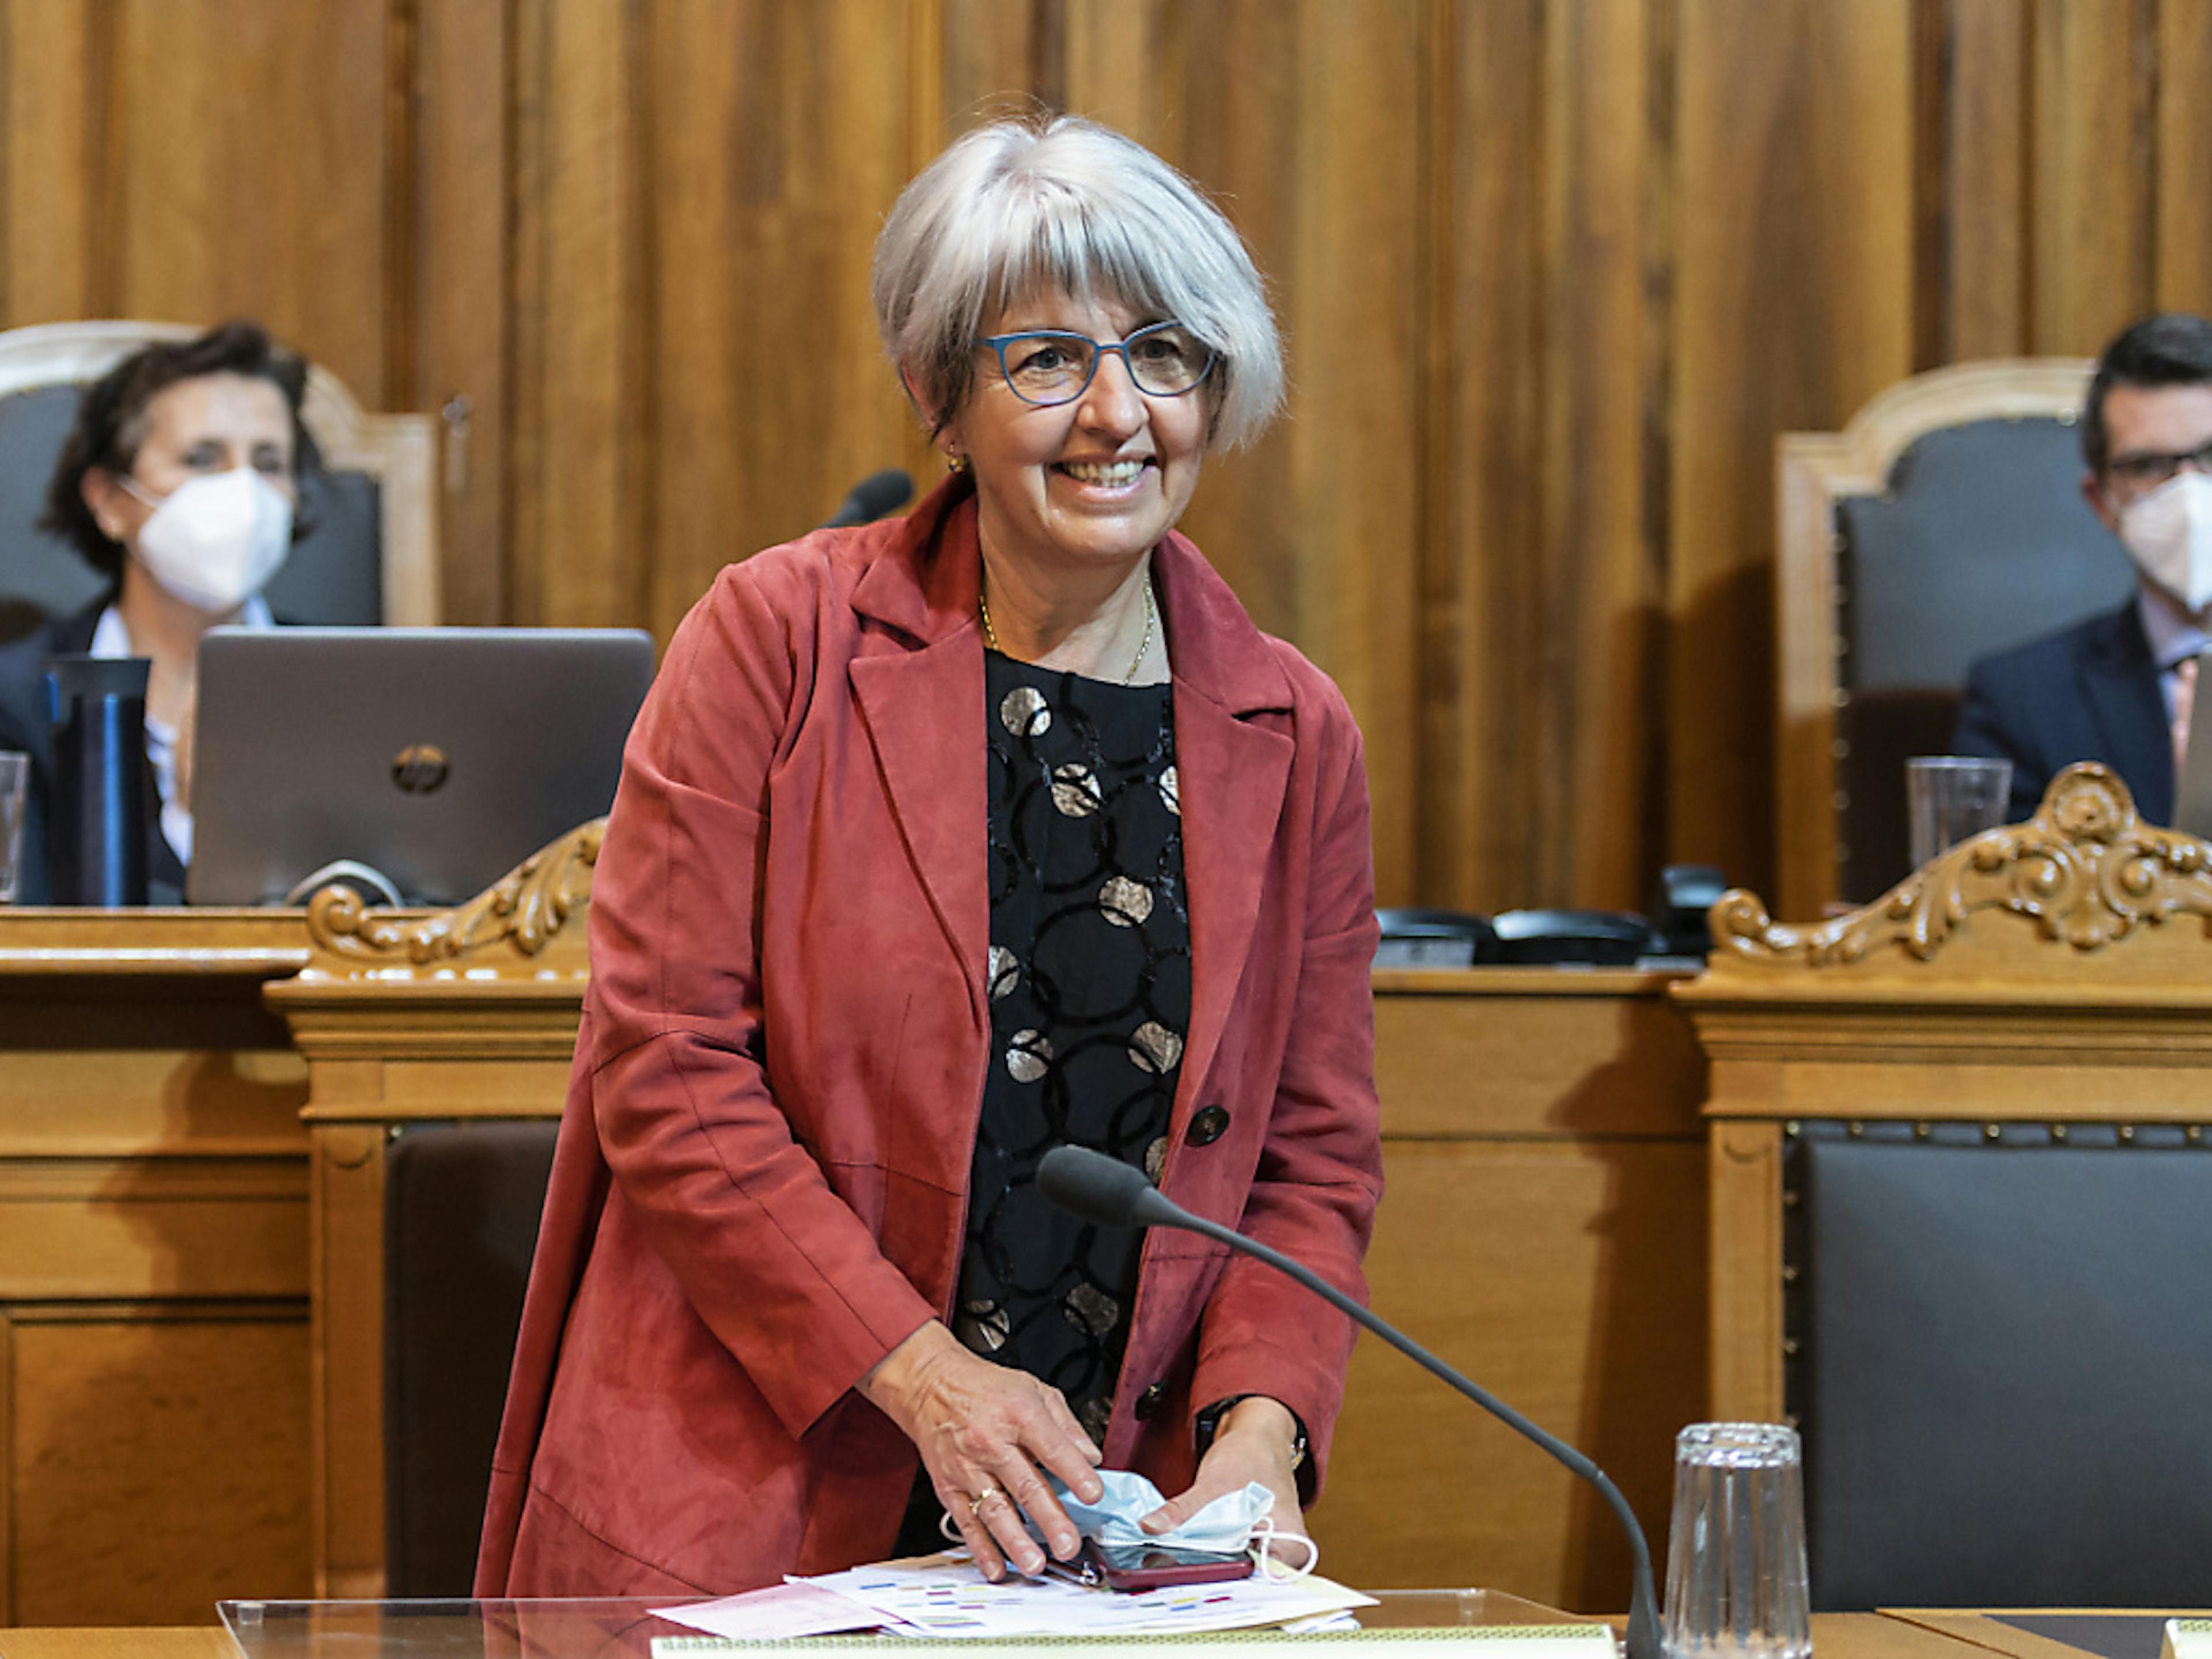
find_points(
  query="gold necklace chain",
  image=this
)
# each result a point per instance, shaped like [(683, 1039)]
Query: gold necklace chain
[(1144, 645)]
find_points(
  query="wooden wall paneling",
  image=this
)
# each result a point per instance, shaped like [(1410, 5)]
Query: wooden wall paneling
[(1233, 132), (111, 1484), (1482, 373), (249, 173), (2182, 207), (457, 195), (52, 82), (770, 396), (1979, 294), (1130, 66), (1792, 307), (1598, 639), (1353, 316), (2094, 181), (580, 440), (995, 58)]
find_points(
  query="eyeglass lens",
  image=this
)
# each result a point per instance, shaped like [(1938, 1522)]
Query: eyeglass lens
[(1047, 366), (2145, 471)]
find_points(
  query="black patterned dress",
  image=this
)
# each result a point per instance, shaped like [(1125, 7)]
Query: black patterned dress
[(1090, 983)]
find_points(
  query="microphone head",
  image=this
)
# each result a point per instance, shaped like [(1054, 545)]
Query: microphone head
[(870, 499), (1095, 1187)]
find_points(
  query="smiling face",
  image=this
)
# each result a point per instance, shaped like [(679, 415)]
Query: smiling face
[(1089, 484)]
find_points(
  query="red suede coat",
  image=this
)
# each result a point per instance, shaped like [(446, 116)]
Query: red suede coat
[(760, 1185)]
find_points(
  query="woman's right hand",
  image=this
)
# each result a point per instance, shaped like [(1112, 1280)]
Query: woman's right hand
[(990, 1436)]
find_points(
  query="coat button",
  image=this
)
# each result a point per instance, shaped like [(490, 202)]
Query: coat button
[(1208, 1125), (1149, 1401)]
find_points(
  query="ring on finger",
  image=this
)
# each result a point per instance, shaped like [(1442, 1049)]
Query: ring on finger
[(975, 1504)]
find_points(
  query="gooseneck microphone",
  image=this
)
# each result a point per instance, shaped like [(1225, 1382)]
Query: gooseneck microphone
[(874, 496), (1101, 1190)]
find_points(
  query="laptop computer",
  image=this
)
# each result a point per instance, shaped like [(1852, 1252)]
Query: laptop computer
[(439, 757)]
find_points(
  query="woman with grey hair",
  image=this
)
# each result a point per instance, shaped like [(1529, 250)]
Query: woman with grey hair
[(940, 843)]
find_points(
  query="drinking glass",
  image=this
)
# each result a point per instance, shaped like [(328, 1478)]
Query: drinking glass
[(14, 788), (1953, 798), (1736, 1555)]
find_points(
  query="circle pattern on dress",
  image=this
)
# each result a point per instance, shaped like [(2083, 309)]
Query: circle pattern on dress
[(1089, 986)]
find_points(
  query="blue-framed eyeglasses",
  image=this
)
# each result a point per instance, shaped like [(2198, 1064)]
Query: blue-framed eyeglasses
[(1048, 366)]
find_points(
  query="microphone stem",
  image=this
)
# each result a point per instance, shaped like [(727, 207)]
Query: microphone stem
[(1644, 1634)]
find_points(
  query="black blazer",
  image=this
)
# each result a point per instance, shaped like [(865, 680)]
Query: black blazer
[(24, 726), (2087, 693)]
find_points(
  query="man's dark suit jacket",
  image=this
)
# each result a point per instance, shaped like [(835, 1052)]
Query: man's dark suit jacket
[(2087, 693), (24, 726)]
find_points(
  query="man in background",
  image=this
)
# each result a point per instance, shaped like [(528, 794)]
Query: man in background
[(2118, 687)]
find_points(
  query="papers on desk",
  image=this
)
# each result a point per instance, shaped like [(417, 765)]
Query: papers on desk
[(774, 1614), (945, 1596), (941, 1596)]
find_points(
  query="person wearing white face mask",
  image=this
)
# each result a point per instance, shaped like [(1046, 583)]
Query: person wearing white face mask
[(180, 482), (2120, 687)]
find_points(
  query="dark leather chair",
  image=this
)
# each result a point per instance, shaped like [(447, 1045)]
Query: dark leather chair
[(370, 557), (1945, 522), (1998, 1348), (462, 1202)]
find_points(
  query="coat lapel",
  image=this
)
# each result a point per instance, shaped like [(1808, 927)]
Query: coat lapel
[(1233, 772), (2119, 685), (921, 696)]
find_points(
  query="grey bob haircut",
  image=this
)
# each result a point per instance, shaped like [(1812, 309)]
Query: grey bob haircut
[(1018, 208)]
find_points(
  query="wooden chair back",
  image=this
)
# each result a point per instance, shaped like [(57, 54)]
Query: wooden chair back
[(1943, 523)]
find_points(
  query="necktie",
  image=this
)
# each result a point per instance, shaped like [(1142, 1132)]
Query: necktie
[(2185, 700)]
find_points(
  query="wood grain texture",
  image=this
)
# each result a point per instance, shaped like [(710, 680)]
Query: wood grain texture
[(458, 278), (114, 1483), (1794, 305), (1584, 1314), (2182, 207), (2094, 171), (1980, 292)]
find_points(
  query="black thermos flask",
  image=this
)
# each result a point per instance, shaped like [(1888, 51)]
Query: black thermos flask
[(96, 833)]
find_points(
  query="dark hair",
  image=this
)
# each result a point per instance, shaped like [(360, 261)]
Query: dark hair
[(110, 424), (2171, 348)]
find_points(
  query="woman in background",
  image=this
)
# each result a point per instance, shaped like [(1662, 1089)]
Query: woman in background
[(179, 485), (940, 842)]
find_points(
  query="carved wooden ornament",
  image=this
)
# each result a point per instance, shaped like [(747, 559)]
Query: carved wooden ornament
[(2085, 869), (521, 912)]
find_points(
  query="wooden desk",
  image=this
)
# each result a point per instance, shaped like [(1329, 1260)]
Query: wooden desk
[(1543, 1229), (154, 1351), (1835, 1636)]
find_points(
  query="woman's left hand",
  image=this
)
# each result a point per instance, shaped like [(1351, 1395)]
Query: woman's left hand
[(1255, 1440)]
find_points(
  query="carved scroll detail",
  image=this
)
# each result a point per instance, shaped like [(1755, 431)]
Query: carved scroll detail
[(522, 910), (2086, 869)]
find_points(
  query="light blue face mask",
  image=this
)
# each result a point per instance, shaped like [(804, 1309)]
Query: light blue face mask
[(1230, 1525)]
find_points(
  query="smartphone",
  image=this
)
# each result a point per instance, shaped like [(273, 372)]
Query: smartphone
[(1155, 1566)]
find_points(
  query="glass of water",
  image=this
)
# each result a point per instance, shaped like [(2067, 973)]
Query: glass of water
[(1736, 1587), (1953, 798)]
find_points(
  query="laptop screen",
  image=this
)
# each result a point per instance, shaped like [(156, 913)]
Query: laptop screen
[(439, 757)]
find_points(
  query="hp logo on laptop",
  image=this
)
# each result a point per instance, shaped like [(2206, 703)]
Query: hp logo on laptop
[(420, 769)]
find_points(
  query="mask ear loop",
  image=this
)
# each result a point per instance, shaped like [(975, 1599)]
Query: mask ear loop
[(1265, 1536)]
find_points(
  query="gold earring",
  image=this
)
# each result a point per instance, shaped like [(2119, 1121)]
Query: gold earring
[(956, 463)]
